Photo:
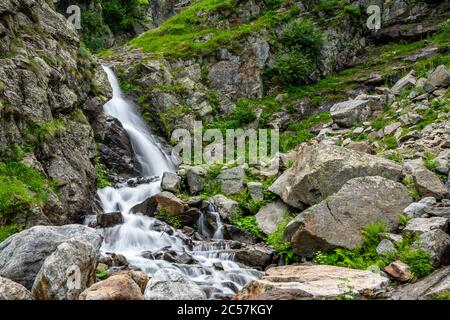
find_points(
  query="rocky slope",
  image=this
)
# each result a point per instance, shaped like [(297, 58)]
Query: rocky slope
[(361, 180)]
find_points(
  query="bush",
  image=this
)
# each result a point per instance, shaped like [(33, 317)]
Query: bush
[(174, 221), (292, 67), (102, 273), (249, 224), (6, 232), (275, 240), (302, 35)]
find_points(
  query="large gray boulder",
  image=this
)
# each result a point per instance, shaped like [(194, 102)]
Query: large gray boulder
[(345, 114), (322, 169), (22, 255), (440, 77), (418, 226), (316, 282), (437, 244), (426, 182), (171, 182), (10, 290), (226, 207), (407, 82), (66, 272), (427, 288), (269, 216), (196, 179), (337, 221), (231, 180), (170, 284)]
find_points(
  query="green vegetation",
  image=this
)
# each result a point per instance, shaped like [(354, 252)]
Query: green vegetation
[(102, 273), (444, 295), (248, 223), (275, 240), (365, 255), (6, 232), (174, 221), (409, 183), (44, 133), (101, 173)]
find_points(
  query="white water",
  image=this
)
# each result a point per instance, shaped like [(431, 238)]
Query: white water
[(213, 268)]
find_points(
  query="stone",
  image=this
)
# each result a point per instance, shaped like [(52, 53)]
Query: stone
[(345, 114), (231, 232), (226, 207), (361, 146), (10, 290), (321, 170), (224, 77), (427, 183), (399, 271), (426, 288), (256, 191), (337, 221), (391, 128), (170, 284), (231, 180), (417, 209), (163, 201), (395, 238), (269, 216), (437, 244), (196, 178), (23, 254), (257, 256), (66, 272), (437, 211), (418, 226), (316, 282), (117, 287), (440, 77), (110, 219), (407, 82), (386, 247), (138, 276), (171, 182)]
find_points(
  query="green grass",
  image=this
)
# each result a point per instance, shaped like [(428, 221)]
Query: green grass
[(43, 133), (275, 240), (365, 255), (430, 162), (444, 295), (101, 173), (7, 231)]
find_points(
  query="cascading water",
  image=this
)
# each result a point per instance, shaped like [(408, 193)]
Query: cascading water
[(146, 241)]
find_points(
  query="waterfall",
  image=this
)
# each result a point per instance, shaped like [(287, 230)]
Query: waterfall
[(143, 240)]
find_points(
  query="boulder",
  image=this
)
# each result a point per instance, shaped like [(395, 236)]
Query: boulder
[(138, 276), (425, 289), (426, 182), (117, 287), (225, 206), (171, 182), (316, 282), (196, 178), (399, 271), (386, 247), (171, 284), (417, 226), (440, 77), (231, 232), (257, 256), (345, 114), (437, 244), (231, 180), (417, 209), (163, 201), (22, 255), (407, 82), (10, 290), (256, 190), (109, 219), (66, 272), (337, 221), (321, 170), (269, 216)]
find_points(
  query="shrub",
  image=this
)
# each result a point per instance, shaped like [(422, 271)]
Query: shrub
[(248, 223), (275, 240), (418, 261), (6, 232), (430, 162), (101, 173), (292, 67), (102, 273), (174, 221), (303, 35), (444, 295)]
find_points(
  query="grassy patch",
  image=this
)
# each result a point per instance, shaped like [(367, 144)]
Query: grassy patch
[(174, 221), (248, 223), (7, 231), (275, 240)]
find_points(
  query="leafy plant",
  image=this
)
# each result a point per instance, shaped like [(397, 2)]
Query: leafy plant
[(102, 273), (275, 240), (248, 223), (174, 221), (101, 173), (7, 231), (430, 162)]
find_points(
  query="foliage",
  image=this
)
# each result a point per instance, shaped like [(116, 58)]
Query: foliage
[(248, 223), (275, 240), (101, 173), (404, 219), (365, 255), (444, 295), (7, 231), (430, 162), (45, 132), (102, 273), (174, 221)]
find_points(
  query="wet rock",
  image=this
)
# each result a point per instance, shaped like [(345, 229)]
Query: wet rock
[(134, 182), (66, 272), (321, 170), (10, 290), (425, 289), (163, 201), (399, 271), (337, 221), (170, 284), (437, 244), (22, 255), (109, 220), (117, 287), (233, 233), (171, 182), (226, 207), (269, 216), (316, 282), (345, 114), (417, 226), (256, 256)]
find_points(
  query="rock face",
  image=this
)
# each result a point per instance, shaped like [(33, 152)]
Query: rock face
[(22, 255), (440, 77), (38, 89), (66, 272), (337, 221), (313, 282), (270, 215), (426, 288), (118, 287), (10, 290), (169, 284), (347, 113), (321, 170)]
